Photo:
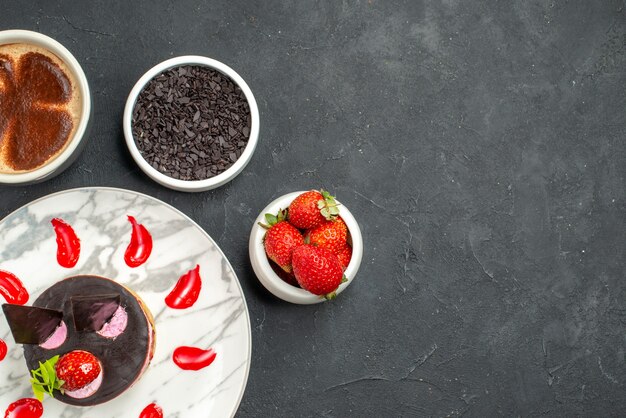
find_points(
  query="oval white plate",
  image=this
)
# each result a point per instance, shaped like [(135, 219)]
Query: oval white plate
[(219, 319)]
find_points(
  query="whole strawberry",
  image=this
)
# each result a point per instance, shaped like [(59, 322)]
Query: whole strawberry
[(280, 240), (311, 208), (345, 255), (286, 277), (77, 369), (317, 270), (332, 235)]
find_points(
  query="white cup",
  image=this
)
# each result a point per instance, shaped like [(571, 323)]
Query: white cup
[(77, 141)]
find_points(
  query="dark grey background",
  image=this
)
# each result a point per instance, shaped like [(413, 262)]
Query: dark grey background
[(480, 146)]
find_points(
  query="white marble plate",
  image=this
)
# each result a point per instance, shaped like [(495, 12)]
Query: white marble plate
[(219, 319)]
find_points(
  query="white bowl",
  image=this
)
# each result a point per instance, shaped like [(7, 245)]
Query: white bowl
[(76, 143), (191, 185), (270, 279)]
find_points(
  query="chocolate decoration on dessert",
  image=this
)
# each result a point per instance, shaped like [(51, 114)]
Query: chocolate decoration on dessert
[(92, 312), (31, 324), (123, 359), (37, 104)]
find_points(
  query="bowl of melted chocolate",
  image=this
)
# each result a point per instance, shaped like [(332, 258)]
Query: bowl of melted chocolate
[(45, 107)]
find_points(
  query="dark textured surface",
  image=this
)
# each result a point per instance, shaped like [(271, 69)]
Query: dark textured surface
[(479, 144)]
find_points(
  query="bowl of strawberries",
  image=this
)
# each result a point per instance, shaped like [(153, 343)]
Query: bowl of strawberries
[(305, 247)]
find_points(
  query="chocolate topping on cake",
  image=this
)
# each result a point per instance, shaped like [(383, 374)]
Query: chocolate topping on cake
[(92, 312), (30, 324), (123, 359)]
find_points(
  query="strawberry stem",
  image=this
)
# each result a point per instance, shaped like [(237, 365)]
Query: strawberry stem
[(328, 206)]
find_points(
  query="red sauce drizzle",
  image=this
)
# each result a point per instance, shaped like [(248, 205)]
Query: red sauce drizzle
[(12, 288), (193, 358), (24, 408), (140, 245), (152, 411), (3, 350), (186, 291), (68, 244)]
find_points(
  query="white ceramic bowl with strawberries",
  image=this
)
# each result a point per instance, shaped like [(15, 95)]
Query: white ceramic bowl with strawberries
[(263, 266)]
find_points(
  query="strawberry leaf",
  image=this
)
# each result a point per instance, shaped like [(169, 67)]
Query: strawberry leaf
[(330, 296), (271, 219), (328, 206), (282, 214)]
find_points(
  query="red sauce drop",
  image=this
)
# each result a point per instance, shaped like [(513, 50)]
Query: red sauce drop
[(152, 411), (193, 358), (186, 291), (24, 408), (140, 245), (68, 244), (3, 350), (12, 288)]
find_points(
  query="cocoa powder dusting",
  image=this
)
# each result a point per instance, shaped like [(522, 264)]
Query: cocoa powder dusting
[(35, 121)]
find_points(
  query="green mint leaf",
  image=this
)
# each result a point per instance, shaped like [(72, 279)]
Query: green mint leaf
[(49, 367), (38, 392), (44, 372), (44, 379)]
